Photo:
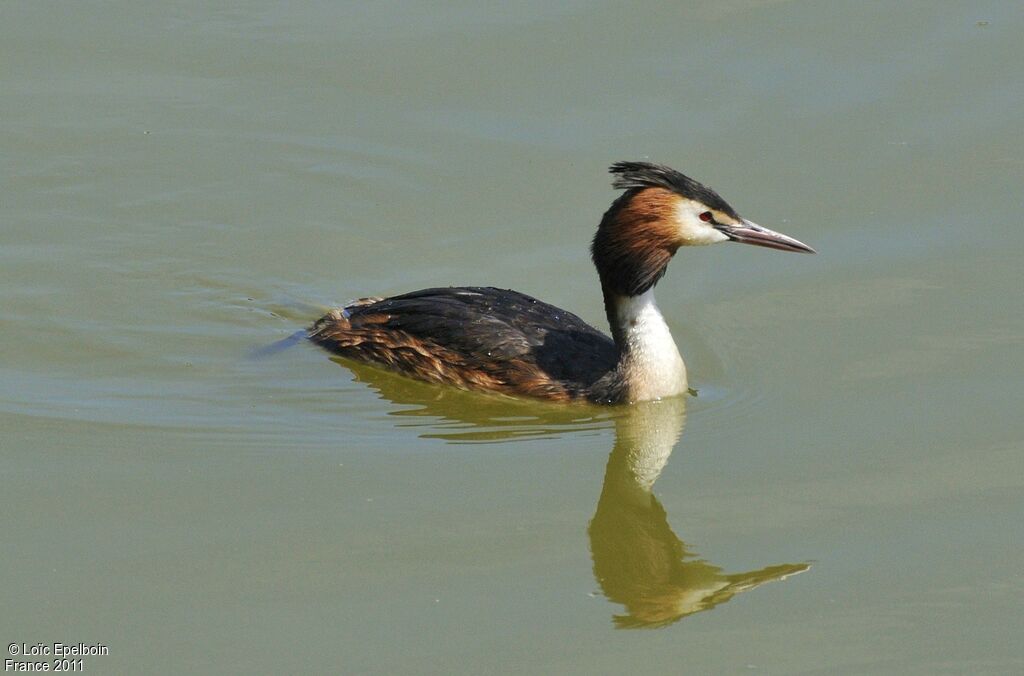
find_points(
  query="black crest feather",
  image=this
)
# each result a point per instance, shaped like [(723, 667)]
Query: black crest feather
[(639, 175)]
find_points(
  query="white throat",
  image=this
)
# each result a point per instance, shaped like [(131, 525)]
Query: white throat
[(651, 363)]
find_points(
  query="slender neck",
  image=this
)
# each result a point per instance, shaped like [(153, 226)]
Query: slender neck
[(634, 242), (649, 361)]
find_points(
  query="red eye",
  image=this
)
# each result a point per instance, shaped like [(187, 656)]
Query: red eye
[(707, 217)]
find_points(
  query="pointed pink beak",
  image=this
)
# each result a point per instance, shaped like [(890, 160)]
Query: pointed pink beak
[(752, 233)]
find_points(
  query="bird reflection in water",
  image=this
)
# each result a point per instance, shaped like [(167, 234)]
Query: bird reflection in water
[(639, 562), (459, 416)]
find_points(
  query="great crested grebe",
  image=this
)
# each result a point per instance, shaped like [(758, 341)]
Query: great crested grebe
[(482, 338)]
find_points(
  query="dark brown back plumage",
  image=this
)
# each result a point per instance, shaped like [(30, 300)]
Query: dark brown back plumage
[(477, 338)]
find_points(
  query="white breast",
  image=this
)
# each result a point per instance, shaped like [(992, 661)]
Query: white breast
[(651, 363)]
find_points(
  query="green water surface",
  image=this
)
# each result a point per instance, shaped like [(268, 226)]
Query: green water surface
[(183, 182)]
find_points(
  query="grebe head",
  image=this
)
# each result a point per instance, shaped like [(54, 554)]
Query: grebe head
[(661, 211)]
